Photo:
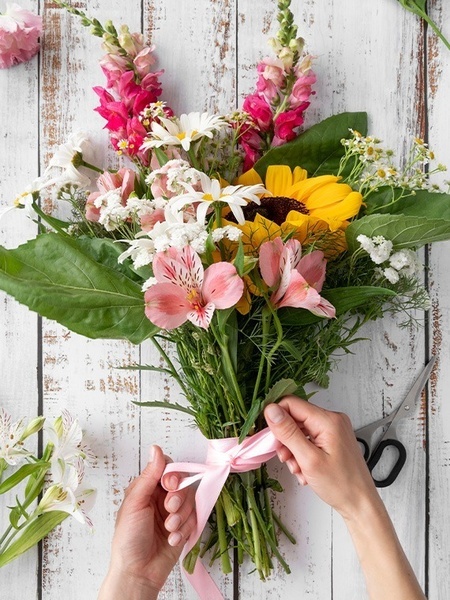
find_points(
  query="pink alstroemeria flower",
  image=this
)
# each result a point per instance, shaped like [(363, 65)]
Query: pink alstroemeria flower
[(186, 292), (296, 281)]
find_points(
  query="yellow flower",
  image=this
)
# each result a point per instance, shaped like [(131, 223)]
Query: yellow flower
[(302, 207)]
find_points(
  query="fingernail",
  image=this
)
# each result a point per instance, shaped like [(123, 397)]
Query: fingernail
[(290, 467), (275, 413), (174, 538), (151, 454), (301, 479), (174, 503), (173, 522), (172, 482)]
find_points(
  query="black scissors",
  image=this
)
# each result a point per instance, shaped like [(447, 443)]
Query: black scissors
[(374, 451)]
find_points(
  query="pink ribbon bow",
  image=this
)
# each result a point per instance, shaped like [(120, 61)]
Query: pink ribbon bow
[(224, 456)]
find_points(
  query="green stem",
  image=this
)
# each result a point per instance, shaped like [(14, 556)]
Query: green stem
[(193, 159), (229, 370), (266, 317), (170, 364), (279, 330), (223, 544), (280, 524), (83, 163), (13, 535)]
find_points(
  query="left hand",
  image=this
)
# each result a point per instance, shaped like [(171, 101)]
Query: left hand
[(152, 526)]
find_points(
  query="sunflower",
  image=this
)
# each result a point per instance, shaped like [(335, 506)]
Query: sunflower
[(313, 210)]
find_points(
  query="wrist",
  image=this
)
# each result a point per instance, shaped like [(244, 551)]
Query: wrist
[(118, 585)]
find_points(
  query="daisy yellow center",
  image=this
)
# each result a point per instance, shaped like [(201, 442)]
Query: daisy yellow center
[(181, 135), (208, 198)]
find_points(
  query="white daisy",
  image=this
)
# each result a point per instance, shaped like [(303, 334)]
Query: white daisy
[(184, 130), (236, 196)]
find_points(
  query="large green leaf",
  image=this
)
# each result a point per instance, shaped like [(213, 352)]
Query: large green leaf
[(318, 149), (404, 231), (423, 203), (78, 283), (343, 299)]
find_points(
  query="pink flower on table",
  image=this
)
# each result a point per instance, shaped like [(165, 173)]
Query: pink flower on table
[(19, 33), (184, 291), (295, 281), (122, 179)]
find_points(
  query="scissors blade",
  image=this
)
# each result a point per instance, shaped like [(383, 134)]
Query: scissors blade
[(409, 404)]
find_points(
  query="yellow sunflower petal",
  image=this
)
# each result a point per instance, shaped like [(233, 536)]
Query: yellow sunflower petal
[(279, 180), (348, 208), (298, 175), (303, 189), (250, 177), (327, 195)]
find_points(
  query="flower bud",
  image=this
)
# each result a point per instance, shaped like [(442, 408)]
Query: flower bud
[(33, 427)]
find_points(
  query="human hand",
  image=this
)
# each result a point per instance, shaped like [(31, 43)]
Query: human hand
[(321, 449), (151, 528)]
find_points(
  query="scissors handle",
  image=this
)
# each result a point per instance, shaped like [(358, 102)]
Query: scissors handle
[(375, 458), (366, 448)]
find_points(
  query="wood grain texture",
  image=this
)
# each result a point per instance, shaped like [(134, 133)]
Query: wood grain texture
[(439, 262), (369, 56)]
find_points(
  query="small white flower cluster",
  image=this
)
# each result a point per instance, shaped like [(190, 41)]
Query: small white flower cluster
[(153, 111), (228, 232), (402, 263), (112, 212), (171, 179), (376, 166)]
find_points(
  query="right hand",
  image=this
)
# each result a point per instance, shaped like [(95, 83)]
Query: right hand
[(320, 448)]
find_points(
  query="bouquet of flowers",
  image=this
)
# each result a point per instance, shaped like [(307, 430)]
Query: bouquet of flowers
[(52, 484), (251, 247)]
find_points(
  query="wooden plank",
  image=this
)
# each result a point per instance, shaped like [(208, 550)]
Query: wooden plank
[(439, 262), (80, 374), (18, 360)]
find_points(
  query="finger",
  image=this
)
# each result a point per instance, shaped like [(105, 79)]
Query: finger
[(141, 490), (181, 535), (284, 454), (175, 500), (175, 519), (288, 432), (312, 419)]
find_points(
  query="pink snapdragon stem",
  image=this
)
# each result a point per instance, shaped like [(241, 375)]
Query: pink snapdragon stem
[(224, 456)]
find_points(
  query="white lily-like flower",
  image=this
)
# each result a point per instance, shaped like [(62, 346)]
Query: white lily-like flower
[(69, 156), (236, 196), (67, 438), (12, 436), (184, 130), (67, 495)]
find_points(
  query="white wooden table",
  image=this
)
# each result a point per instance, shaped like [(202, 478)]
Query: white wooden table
[(370, 56)]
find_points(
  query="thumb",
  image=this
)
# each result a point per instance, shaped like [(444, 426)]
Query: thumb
[(287, 431), (144, 486)]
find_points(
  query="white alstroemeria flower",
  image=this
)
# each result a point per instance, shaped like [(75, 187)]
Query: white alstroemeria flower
[(236, 196), (67, 495), (67, 438), (11, 439), (184, 130)]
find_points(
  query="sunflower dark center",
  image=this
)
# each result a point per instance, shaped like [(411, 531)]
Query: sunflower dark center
[(274, 208)]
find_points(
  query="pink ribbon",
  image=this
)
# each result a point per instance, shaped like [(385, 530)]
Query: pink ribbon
[(224, 456)]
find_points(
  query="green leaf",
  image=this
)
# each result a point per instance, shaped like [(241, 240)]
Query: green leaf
[(432, 205), (343, 299), (404, 231), (283, 387), (78, 283), (20, 475), (318, 149), (56, 224), (32, 534), (239, 259), (161, 156), (169, 405)]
